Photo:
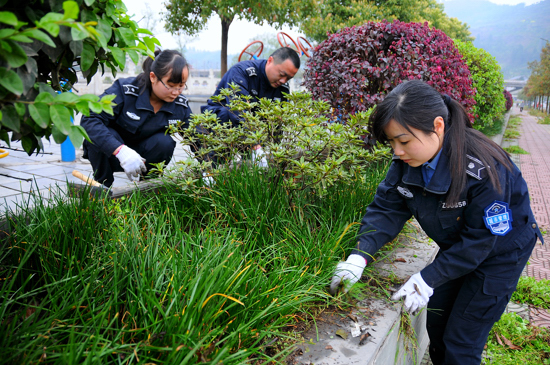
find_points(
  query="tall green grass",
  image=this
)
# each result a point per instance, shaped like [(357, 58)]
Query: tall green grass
[(171, 278)]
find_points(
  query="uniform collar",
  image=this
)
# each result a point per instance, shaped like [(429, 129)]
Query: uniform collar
[(441, 180), (143, 103)]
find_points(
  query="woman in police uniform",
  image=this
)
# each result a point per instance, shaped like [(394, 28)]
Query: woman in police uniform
[(135, 136), (469, 197)]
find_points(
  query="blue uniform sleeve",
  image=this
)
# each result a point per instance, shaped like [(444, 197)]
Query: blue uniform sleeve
[(476, 240), (96, 124), (385, 216)]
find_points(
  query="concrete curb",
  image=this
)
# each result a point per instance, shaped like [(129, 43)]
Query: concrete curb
[(380, 319)]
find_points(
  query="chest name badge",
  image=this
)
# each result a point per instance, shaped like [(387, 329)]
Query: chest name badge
[(405, 192), (498, 218), (173, 121), (133, 116)]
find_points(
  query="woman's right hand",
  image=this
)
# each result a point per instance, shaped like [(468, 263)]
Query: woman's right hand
[(347, 273), (131, 162)]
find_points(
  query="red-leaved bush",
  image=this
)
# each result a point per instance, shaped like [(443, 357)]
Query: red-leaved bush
[(509, 100), (355, 68)]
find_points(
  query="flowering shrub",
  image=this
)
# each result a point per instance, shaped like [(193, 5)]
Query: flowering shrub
[(355, 68), (509, 100), (489, 83)]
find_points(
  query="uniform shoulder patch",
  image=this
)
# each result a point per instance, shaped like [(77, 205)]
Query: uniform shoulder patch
[(474, 167), (182, 100), (131, 89), (251, 71)]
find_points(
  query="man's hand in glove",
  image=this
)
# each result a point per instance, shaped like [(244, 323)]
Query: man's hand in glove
[(132, 163), (416, 292), (350, 271), (258, 156)]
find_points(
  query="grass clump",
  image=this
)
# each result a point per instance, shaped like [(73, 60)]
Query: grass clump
[(513, 341), (178, 277), (533, 291), (515, 150)]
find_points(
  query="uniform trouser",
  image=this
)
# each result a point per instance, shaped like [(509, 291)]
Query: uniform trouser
[(461, 312), (154, 149)]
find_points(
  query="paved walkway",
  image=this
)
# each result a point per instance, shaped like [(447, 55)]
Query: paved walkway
[(46, 173)]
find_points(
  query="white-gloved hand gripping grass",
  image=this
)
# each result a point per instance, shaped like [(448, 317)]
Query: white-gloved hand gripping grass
[(416, 292), (347, 272), (131, 162), (258, 156)]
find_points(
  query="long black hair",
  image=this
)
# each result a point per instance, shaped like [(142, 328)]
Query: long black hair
[(415, 104), (166, 62)]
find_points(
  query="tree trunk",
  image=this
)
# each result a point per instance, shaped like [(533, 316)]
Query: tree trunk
[(225, 35)]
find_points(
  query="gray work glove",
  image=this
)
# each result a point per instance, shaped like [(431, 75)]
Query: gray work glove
[(349, 272), (416, 292), (131, 162)]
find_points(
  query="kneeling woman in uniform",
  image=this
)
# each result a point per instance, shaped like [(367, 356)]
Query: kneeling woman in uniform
[(135, 136), (469, 197)]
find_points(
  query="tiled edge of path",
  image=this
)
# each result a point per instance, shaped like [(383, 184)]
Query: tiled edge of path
[(535, 167)]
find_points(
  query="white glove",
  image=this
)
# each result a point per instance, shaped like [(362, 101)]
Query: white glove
[(416, 292), (132, 163), (258, 156), (350, 271), (208, 180)]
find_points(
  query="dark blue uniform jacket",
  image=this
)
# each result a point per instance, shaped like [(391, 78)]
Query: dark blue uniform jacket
[(134, 118), (459, 230), (251, 78)]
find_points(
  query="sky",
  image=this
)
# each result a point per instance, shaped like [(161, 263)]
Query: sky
[(240, 32)]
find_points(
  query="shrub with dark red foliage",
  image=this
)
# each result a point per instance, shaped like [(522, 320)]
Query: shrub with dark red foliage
[(355, 68), (509, 100)]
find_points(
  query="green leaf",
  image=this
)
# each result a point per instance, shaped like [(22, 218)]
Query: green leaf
[(17, 56), (4, 136), (10, 80), (104, 27), (8, 17), (89, 2), (28, 143), (70, 10), (21, 109), (119, 56), (87, 57), (66, 97), (5, 33), (20, 38), (39, 35), (95, 107), (58, 136), (40, 113), (89, 97), (77, 135), (144, 31), (82, 107), (10, 119), (127, 36), (78, 33), (61, 117), (49, 23), (134, 56), (44, 97)]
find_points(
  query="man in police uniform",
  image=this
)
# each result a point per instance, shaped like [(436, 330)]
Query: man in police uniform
[(259, 79)]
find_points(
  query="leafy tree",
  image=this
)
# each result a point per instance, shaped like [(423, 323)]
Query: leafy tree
[(190, 16), (336, 14), (488, 81), (539, 81), (355, 68), (42, 45)]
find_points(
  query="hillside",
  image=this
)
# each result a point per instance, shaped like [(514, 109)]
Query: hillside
[(514, 35)]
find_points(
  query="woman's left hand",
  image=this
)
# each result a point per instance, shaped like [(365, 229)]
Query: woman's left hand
[(416, 292)]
